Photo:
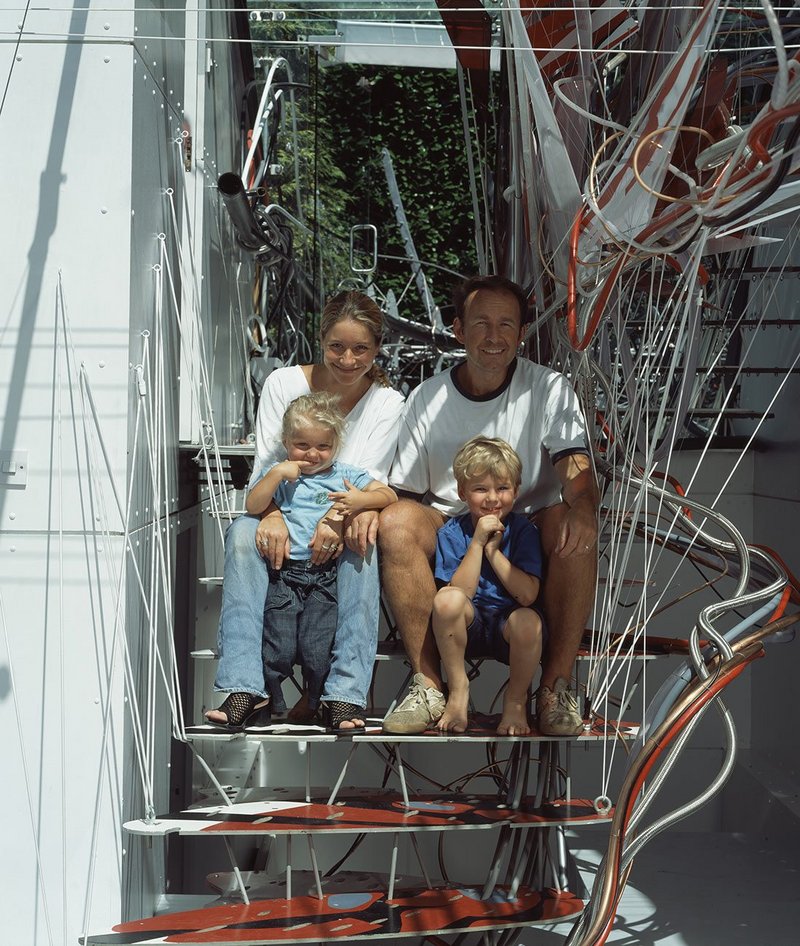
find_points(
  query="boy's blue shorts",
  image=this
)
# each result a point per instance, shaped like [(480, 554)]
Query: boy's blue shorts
[(485, 633)]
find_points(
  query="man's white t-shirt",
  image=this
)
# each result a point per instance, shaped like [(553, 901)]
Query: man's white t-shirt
[(536, 411), (370, 434)]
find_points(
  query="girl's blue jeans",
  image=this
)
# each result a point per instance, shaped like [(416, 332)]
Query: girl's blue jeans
[(241, 626)]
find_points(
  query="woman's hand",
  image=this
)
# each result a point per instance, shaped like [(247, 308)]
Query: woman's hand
[(272, 539), (326, 543)]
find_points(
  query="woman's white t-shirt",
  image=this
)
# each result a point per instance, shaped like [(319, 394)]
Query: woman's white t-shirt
[(371, 427)]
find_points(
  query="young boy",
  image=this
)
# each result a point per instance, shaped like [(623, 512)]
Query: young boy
[(488, 566), (307, 487)]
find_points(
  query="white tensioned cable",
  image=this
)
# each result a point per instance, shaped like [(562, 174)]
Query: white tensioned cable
[(750, 302), (164, 519), (600, 644), (92, 474), (160, 541), (155, 657), (26, 776), (612, 590), (119, 629), (132, 39), (731, 389), (119, 634), (480, 241), (648, 557), (204, 385), (150, 559), (59, 464), (167, 528), (196, 363), (236, 329)]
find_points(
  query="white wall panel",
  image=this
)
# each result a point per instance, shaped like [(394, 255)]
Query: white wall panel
[(70, 207), (62, 759)]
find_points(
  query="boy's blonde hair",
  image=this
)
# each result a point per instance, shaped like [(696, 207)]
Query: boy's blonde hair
[(482, 455), (319, 409)]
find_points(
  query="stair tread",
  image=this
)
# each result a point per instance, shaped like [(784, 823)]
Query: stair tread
[(364, 811), (366, 915)]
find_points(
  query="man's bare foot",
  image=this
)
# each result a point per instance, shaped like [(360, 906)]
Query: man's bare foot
[(454, 717), (514, 721)]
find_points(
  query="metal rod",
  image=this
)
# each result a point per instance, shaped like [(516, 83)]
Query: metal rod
[(491, 880), (512, 768), (524, 862), (288, 867), (338, 785), (312, 851), (393, 867), (522, 773), (561, 841), (421, 865), (401, 772), (308, 775), (568, 777), (544, 768), (538, 873), (236, 872)]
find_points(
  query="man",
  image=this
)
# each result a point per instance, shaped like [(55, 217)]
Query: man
[(496, 394)]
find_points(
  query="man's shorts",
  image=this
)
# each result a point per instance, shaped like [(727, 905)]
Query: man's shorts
[(485, 633)]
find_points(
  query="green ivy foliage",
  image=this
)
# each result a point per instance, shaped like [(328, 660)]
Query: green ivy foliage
[(346, 115)]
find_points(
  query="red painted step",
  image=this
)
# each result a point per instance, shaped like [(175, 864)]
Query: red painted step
[(364, 915)]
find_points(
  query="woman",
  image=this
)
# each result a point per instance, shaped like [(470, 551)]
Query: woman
[(351, 331)]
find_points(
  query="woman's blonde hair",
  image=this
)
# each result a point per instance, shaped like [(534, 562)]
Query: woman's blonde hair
[(319, 409), (482, 455), (354, 306)]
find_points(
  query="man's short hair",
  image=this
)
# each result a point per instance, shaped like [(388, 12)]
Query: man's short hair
[(494, 284), (482, 455)]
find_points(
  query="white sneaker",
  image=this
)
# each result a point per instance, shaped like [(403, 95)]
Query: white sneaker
[(557, 711), (418, 711)]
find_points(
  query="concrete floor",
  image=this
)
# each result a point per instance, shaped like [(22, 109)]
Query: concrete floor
[(700, 889)]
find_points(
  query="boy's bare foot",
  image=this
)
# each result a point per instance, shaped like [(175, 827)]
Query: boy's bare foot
[(514, 721), (454, 717)]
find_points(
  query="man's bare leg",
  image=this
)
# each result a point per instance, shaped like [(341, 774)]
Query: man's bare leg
[(567, 597), (523, 631), (407, 542), (452, 614)]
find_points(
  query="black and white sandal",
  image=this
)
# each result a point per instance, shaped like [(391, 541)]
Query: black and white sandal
[(242, 709), (338, 712)]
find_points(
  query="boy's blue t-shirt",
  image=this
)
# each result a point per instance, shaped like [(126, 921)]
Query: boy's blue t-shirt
[(304, 502), (520, 545)]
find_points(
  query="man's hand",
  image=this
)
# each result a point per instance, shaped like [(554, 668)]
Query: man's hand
[(272, 539), (578, 534), (488, 529), (578, 531), (362, 531)]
